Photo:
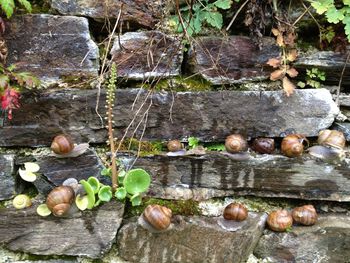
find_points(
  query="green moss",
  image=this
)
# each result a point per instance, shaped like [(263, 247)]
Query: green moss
[(178, 207), (179, 84)]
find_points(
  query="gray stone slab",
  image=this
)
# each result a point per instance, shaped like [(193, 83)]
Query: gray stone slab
[(191, 239), (141, 55), (233, 59), (54, 48), (210, 116), (145, 13), (216, 175), (88, 233), (327, 241), (7, 179)]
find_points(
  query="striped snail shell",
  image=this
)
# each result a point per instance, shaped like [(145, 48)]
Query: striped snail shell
[(21, 201), (157, 218), (332, 138), (279, 220), (305, 215), (236, 143), (62, 144), (60, 199), (236, 212), (174, 146), (293, 145)]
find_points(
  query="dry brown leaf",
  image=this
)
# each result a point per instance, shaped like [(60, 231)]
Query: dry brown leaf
[(277, 74), (280, 41), (292, 72), (275, 32), (290, 39), (292, 55), (274, 62), (288, 86)]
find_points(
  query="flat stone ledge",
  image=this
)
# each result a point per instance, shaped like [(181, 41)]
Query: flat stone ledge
[(7, 179), (143, 55), (145, 13), (53, 48), (216, 175), (327, 241), (209, 116), (191, 239), (88, 233)]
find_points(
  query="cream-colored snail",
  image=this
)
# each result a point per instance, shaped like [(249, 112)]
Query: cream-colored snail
[(21, 201), (63, 147)]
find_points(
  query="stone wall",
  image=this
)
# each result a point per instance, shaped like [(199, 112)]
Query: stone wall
[(63, 50)]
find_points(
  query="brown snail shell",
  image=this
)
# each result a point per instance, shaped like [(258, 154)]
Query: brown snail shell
[(62, 144), (332, 138), (157, 216), (60, 199), (279, 220), (236, 143), (174, 146), (264, 145), (236, 212), (305, 215), (293, 145)]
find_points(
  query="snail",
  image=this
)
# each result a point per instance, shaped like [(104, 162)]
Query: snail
[(236, 212), (293, 145), (236, 143), (332, 138), (264, 145), (63, 146), (305, 215), (21, 201), (156, 218), (328, 154), (174, 146), (60, 199), (279, 220)]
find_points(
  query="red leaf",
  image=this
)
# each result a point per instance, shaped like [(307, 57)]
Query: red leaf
[(10, 101)]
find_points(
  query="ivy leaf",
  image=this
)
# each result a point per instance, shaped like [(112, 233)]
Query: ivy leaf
[(223, 4), (334, 15), (7, 6), (26, 5), (214, 19), (301, 84)]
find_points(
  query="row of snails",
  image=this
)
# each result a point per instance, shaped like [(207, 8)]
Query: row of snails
[(157, 218), (331, 144)]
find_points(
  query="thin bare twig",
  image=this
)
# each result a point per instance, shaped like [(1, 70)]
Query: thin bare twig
[(341, 78), (235, 16)]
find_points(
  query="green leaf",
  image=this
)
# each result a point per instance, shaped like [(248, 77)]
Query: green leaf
[(223, 4), (95, 184), (105, 193), (106, 172), (136, 200), (137, 181), (43, 210), (215, 147), (301, 84), (12, 67), (7, 6), (346, 22), (214, 19), (26, 80), (90, 193), (197, 23), (120, 193), (193, 142), (26, 5), (4, 80), (346, 2), (334, 15), (322, 6), (82, 202), (121, 176)]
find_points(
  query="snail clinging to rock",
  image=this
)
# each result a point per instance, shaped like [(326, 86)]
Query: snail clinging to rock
[(63, 147), (155, 218)]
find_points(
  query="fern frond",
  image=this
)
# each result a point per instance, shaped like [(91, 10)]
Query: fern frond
[(7, 6), (26, 5)]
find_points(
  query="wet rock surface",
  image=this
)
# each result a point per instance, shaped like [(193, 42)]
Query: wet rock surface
[(56, 170), (327, 241), (52, 47), (88, 233), (145, 13), (234, 59), (215, 175), (7, 179), (141, 55), (209, 116), (191, 239)]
